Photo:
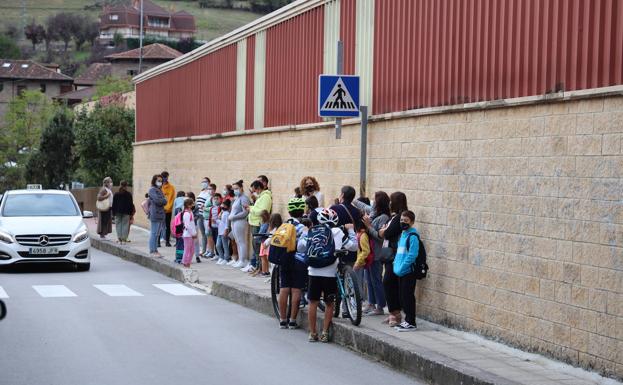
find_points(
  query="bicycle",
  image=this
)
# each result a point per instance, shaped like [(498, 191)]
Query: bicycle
[(348, 291)]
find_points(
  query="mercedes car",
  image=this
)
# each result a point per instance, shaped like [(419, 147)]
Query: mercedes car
[(43, 226)]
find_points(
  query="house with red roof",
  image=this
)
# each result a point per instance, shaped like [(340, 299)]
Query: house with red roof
[(124, 19)]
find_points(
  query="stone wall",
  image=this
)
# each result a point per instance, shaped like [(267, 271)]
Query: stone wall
[(520, 208)]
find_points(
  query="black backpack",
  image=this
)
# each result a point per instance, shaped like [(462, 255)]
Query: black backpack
[(419, 266)]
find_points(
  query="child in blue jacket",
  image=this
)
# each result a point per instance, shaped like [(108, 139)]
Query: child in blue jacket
[(407, 252)]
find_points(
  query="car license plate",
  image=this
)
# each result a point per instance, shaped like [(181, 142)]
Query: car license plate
[(43, 250)]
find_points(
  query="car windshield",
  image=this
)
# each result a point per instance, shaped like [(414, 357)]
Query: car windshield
[(39, 205)]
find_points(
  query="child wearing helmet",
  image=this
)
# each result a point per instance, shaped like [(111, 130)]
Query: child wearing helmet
[(293, 277), (322, 281)]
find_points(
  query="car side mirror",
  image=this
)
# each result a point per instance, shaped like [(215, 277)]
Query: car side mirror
[(2, 310), (87, 214)]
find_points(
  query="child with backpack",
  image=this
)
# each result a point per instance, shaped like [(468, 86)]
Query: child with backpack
[(263, 252), (409, 265), (321, 243), (190, 232), (177, 226), (215, 211), (222, 240), (292, 268)]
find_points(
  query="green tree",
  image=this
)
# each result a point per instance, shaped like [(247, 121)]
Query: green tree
[(110, 85), (35, 33), (103, 146), (117, 38), (20, 136), (53, 163), (8, 48)]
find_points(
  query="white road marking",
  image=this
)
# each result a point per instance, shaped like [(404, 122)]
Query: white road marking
[(48, 291), (177, 289), (3, 293), (118, 291)]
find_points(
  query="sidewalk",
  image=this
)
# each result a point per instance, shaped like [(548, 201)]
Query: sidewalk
[(432, 353)]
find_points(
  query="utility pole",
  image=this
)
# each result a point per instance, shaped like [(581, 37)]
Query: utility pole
[(140, 55)]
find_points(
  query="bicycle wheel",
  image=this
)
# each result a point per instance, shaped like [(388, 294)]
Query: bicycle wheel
[(274, 290), (352, 295)]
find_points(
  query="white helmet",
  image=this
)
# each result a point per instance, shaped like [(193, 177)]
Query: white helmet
[(327, 216)]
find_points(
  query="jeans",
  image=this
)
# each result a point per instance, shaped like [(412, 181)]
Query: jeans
[(407, 296), (222, 247), (203, 242), (154, 233), (376, 294), (122, 225), (256, 242)]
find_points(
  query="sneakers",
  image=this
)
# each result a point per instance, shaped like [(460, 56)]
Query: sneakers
[(313, 337), (248, 269), (373, 311), (324, 337), (238, 264), (292, 325), (231, 263), (214, 258), (283, 324), (405, 327), (198, 259), (221, 261)]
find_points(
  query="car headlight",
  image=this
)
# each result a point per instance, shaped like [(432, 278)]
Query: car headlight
[(81, 236), (6, 237)]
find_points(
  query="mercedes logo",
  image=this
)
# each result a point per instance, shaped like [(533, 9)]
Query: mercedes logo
[(44, 240)]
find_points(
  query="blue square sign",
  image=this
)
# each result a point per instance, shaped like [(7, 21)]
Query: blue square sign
[(338, 96)]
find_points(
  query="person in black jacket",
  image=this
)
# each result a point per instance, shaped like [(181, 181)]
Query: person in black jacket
[(391, 234), (123, 210)]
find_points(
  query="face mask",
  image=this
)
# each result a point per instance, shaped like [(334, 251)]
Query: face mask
[(210, 192), (159, 184), (204, 186), (237, 193), (165, 180), (225, 193), (216, 202), (405, 226)]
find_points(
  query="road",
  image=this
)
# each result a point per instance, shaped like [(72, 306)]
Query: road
[(113, 326)]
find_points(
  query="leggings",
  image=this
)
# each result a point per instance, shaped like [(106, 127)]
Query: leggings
[(202, 230), (240, 232), (392, 288)]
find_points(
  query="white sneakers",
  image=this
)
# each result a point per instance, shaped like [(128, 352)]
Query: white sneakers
[(248, 268), (231, 262)]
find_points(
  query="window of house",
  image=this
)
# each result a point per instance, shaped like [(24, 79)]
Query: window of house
[(132, 72), (20, 90), (42, 87), (1, 86), (6, 65), (114, 17)]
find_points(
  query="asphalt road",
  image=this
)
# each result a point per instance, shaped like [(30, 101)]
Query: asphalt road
[(112, 325)]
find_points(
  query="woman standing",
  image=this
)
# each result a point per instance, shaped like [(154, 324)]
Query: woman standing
[(104, 213), (157, 201), (391, 233), (238, 224), (204, 195), (263, 202), (309, 186), (123, 209), (377, 216)]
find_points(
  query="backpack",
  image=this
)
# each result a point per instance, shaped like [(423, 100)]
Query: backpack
[(370, 258), (320, 247), (419, 266), (283, 244), (178, 225)]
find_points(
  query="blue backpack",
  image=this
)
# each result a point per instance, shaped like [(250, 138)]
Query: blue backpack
[(320, 247)]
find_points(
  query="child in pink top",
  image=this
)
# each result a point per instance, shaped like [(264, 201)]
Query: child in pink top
[(190, 232)]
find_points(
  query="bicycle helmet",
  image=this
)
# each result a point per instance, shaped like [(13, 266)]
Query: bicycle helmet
[(327, 216), (295, 204)]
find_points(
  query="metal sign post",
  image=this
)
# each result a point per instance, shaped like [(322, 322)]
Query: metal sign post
[(340, 71), (364, 150)]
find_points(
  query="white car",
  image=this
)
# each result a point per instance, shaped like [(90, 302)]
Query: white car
[(43, 226)]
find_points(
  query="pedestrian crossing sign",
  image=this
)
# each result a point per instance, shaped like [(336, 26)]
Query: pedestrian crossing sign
[(338, 96)]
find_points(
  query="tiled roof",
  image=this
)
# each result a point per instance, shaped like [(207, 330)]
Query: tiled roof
[(152, 51), (78, 95), (183, 21), (28, 69), (129, 15), (93, 73)]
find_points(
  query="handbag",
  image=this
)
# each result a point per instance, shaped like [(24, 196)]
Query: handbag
[(103, 205)]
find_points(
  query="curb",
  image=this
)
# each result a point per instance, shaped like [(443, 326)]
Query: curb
[(416, 361), (161, 266)]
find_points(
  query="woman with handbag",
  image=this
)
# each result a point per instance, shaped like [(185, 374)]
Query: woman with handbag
[(104, 205), (376, 217)]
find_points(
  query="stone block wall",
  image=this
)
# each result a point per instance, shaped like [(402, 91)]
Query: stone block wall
[(521, 210)]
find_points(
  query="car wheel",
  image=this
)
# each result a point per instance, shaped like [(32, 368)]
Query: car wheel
[(83, 266)]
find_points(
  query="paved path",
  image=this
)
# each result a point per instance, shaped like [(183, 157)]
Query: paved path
[(476, 352), (123, 324)]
